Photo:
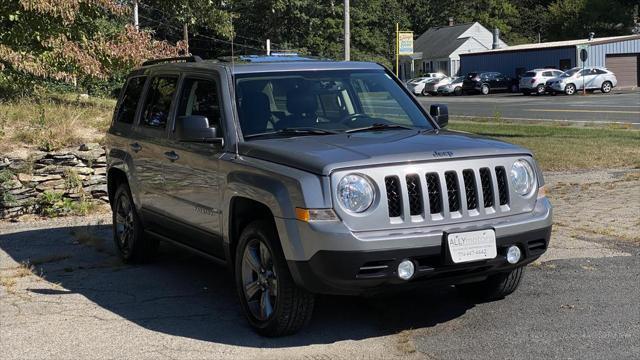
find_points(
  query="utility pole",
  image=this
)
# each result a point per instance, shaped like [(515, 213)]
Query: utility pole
[(185, 34), (136, 24), (268, 47), (347, 32)]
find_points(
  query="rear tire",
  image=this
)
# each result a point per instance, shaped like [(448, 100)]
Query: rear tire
[(540, 89), (132, 245), (495, 287), (606, 87), (457, 91), (260, 260)]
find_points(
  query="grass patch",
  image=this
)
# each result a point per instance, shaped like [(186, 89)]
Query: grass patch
[(54, 122), (565, 147), (53, 204)]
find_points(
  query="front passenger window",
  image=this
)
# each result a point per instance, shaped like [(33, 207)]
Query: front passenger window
[(158, 103), (200, 97)]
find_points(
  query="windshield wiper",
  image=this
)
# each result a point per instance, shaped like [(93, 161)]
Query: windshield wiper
[(379, 126), (294, 131)]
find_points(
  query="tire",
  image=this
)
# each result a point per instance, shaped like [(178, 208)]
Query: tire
[(132, 245), (570, 89), (495, 287), (485, 89), (606, 87), (266, 275), (457, 91), (514, 88), (424, 92), (540, 89)]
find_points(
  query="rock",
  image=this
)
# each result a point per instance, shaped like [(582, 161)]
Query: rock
[(83, 170), (4, 163), (20, 191), (25, 178), (50, 170), (94, 180), (43, 178), (62, 156), (90, 146), (104, 198), (83, 96), (100, 171), (11, 185), (50, 185)]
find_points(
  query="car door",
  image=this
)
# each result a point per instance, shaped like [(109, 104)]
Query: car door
[(192, 177), (585, 79), (151, 145)]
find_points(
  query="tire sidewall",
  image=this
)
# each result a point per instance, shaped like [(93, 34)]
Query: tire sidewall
[(485, 89), (570, 86), (609, 87), (263, 232), (540, 89), (123, 191)]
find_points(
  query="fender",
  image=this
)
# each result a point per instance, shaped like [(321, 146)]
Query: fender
[(120, 160)]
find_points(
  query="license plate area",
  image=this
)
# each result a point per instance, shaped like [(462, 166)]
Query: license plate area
[(472, 246)]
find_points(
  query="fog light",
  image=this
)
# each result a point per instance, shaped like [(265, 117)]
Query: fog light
[(406, 269), (513, 254)]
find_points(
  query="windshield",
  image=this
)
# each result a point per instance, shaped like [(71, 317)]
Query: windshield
[(570, 73), (336, 101)]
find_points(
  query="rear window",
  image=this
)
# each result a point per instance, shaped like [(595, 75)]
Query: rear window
[(130, 100), (529, 74)]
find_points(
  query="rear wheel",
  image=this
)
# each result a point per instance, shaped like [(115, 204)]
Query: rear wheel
[(606, 87), (131, 242), (495, 287), (484, 89), (457, 91), (540, 89), (570, 89), (273, 304)]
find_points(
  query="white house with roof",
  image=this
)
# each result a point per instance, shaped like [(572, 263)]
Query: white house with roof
[(439, 48)]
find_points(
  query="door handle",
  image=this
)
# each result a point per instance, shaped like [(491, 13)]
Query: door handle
[(171, 155), (135, 147)]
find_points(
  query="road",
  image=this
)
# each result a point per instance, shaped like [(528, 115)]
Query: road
[(79, 302), (596, 108)]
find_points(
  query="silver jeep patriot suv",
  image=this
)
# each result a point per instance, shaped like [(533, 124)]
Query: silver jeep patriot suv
[(313, 177)]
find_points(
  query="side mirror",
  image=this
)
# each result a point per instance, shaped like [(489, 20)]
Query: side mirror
[(440, 114), (195, 128)]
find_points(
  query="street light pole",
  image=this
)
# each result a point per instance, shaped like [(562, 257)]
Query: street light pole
[(135, 14), (347, 32)]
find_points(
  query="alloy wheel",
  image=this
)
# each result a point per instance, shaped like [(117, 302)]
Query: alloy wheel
[(259, 280), (606, 87), (125, 226)]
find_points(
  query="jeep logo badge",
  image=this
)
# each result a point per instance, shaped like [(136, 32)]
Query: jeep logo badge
[(440, 154)]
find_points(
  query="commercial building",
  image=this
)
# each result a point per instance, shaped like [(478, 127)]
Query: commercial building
[(620, 54)]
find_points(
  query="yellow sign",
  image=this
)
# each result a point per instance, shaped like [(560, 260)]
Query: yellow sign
[(405, 43)]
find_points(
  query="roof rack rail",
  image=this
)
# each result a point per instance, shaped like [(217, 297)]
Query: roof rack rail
[(193, 58)]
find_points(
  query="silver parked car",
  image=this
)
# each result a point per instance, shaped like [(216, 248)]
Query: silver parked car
[(416, 85), (432, 87), (591, 78), (454, 87), (533, 81)]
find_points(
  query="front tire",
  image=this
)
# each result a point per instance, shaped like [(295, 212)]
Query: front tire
[(606, 87), (570, 89), (132, 245), (273, 304), (485, 89), (495, 287)]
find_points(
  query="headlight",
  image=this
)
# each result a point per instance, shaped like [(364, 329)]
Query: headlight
[(522, 177), (355, 193)]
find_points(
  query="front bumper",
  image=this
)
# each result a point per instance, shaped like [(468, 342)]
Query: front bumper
[(555, 87), (338, 261)]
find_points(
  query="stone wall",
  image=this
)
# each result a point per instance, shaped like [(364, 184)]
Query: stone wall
[(69, 176)]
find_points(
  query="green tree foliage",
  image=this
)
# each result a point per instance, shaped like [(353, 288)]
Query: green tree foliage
[(576, 18)]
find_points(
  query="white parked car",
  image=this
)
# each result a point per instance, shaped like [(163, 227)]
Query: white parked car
[(591, 78), (533, 81), (416, 85), (454, 87)]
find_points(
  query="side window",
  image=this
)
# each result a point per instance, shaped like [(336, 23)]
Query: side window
[(585, 72), (200, 97), (158, 102), (600, 71), (547, 73), (130, 99)]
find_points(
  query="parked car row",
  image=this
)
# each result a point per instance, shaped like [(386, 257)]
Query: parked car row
[(536, 81)]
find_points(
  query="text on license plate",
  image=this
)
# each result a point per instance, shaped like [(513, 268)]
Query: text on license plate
[(472, 246)]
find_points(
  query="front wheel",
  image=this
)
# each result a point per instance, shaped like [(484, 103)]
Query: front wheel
[(570, 89), (606, 87), (273, 304), (495, 287), (484, 89)]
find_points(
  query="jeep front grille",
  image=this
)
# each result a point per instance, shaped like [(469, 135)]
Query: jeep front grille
[(479, 188)]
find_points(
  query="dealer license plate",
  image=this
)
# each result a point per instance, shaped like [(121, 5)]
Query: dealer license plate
[(472, 246)]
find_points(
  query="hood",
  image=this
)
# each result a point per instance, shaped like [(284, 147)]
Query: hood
[(326, 153)]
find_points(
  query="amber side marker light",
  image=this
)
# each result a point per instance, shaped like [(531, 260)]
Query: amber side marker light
[(310, 215), (542, 192)]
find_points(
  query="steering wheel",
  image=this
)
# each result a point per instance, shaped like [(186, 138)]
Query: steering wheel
[(353, 117)]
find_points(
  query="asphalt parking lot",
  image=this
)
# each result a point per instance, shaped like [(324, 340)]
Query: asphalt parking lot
[(76, 300), (620, 107)]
